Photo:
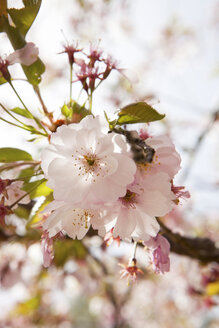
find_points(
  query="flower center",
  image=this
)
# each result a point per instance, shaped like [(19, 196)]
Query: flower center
[(129, 199), (89, 160), (90, 166), (129, 196)]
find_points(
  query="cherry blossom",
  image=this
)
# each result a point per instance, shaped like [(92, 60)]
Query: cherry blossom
[(160, 248), (180, 192), (14, 193), (109, 239), (47, 249), (85, 166), (131, 271), (25, 56), (75, 222), (166, 159), (70, 50), (134, 215)]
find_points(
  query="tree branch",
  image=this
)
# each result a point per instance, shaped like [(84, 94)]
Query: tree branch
[(202, 249)]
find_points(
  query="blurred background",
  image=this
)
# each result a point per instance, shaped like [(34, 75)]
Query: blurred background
[(169, 52)]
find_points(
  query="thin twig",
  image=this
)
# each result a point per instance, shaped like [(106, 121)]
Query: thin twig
[(11, 165), (46, 112)]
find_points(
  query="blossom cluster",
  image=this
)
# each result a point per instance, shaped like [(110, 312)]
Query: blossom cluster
[(91, 68), (97, 183)]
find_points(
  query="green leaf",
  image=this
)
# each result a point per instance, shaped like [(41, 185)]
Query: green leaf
[(32, 140), (65, 249), (40, 190), (23, 18), (78, 111), (37, 217), (21, 112), (66, 110), (139, 112), (34, 71), (2, 80), (27, 173), (23, 211), (8, 155)]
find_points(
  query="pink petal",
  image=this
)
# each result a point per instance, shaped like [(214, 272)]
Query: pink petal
[(26, 55)]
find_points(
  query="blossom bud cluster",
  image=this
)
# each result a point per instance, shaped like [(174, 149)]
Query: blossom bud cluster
[(97, 183), (89, 68)]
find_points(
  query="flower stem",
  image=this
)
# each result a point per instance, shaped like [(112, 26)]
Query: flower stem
[(23, 127), (37, 90), (15, 91), (12, 165), (134, 250), (90, 101), (31, 115), (9, 113), (70, 100)]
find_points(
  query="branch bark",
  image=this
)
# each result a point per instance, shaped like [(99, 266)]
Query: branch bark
[(202, 249)]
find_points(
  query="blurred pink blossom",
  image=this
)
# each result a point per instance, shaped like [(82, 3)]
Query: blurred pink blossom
[(25, 56), (160, 248)]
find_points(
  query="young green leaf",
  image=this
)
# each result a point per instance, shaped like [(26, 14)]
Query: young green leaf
[(8, 155), (66, 110), (27, 173), (23, 18), (21, 112), (34, 71), (23, 211), (81, 110), (139, 112), (40, 190)]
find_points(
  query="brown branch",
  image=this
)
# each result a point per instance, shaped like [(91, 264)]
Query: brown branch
[(11, 165), (48, 114), (202, 249)]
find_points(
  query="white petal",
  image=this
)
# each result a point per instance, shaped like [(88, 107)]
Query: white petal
[(125, 223)]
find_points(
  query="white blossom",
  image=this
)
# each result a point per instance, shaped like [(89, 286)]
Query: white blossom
[(85, 166), (166, 159), (75, 222), (134, 215)]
